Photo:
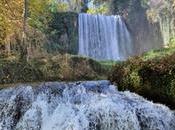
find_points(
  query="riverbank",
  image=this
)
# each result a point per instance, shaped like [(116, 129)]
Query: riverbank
[(52, 68)]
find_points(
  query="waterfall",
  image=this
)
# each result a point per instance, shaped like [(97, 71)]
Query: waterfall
[(91, 105), (104, 37)]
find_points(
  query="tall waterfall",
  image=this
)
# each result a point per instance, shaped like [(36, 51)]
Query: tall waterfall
[(93, 105), (104, 37)]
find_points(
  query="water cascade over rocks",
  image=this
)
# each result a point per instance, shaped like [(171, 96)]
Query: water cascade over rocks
[(93, 105), (104, 37)]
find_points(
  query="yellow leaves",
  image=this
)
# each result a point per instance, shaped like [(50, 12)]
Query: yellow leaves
[(91, 11), (103, 9), (38, 5), (152, 15), (62, 7), (39, 11), (13, 9), (10, 17)]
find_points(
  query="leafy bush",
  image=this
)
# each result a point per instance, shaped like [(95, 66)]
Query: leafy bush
[(172, 42), (172, 88), (15, 71), (102, 9), (51, 68), (153, 79)]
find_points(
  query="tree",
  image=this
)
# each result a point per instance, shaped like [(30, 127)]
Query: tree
[(40, 13), (10, 20), (23, 46)]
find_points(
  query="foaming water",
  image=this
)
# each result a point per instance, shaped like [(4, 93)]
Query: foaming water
[(104, 37), (93, 105)]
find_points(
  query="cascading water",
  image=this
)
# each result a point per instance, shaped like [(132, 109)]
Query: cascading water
[(93, 105), (104, 37)]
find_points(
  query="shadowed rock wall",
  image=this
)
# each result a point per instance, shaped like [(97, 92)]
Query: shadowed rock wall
[(146, 35)]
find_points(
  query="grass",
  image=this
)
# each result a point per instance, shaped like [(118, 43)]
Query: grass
[(163, 52), (107, 64), (160, 53)]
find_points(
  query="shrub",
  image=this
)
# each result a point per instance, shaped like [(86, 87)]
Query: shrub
[(50, 68), (153, 79), (15, 71), (172, 42)]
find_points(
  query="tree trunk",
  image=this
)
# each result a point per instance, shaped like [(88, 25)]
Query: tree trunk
[(7, 46), (23, 46)]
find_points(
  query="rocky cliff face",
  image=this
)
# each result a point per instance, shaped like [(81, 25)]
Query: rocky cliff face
[(146, 35), (167, 28), (165, 10)]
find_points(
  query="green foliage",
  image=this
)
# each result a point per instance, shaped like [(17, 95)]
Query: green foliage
[(62, 7), (60, 28), (158, 53), (14, 71), (153, 79), (40, 13), (172, 42), (144, 3), (102, 9), (43, 11), (63, 33), (51, 68), (172, 88)]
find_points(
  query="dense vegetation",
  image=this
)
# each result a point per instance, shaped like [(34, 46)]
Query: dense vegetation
[(30, 21), (51, 68), (152, 75)]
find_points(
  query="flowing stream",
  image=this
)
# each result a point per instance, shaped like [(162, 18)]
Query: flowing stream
[(91, 105), (104, 37)]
